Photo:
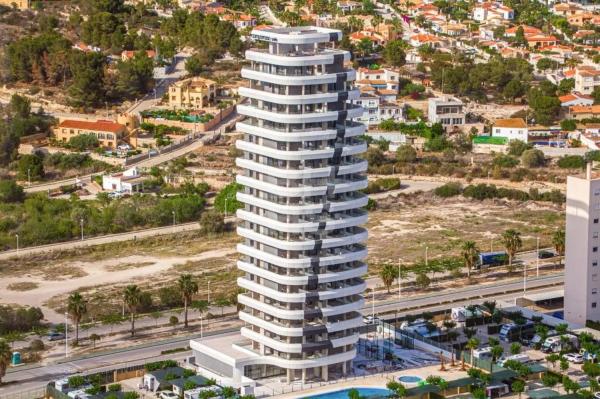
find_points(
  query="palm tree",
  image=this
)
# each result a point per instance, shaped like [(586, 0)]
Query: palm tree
[(512, 243), (472, 344), (388, 274), (398, 390), (469, 253), (496, 352), (131, 296), (94, 338), (77, 308), (5, 355), (200, 306), (558, 240), (221, 302), (188, 287)]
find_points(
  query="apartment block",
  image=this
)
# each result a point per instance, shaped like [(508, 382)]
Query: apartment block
[(303, 248), (582, 273), (586, 79)]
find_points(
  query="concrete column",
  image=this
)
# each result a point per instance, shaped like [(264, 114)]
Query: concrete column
[(290, 375), (344, 368), (325, 373), (303, 375)]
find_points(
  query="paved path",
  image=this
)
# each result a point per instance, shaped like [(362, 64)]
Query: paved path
[(106, 239)]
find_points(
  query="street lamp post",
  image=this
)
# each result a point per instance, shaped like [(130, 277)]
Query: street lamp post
[(208, 297), (399, 281), (426, 256), (81, 224), (537, 257), (66, 334), (173, 212), (17, 236)]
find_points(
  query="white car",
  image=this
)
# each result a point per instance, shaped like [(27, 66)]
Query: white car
[(597, 395), (168, 395), (574, 358), (371, 320)]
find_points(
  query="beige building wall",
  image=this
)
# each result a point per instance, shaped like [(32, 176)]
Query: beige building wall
[(582, 257), (21, 4)]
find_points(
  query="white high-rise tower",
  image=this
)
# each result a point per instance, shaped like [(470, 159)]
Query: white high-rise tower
[(303, 248)]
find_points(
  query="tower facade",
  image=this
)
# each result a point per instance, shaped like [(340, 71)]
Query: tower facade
[(302, 251), (582, 256)]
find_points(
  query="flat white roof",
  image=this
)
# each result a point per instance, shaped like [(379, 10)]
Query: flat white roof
[(223, 347), (544, 296), (297, 35)]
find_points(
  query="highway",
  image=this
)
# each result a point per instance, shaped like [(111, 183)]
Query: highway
[(29, 378)]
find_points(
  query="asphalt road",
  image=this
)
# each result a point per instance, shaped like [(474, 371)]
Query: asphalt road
[(24, 379), (106, 239)]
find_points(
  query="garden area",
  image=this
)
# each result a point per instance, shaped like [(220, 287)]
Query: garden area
[(178, 115)]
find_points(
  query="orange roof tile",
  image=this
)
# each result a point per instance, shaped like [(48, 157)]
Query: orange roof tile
[(100, 125), (510, 122), (585, 109)]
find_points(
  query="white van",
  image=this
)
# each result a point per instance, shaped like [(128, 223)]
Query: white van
[(555, 344), (483, 353), (521, 358), (461, 314)]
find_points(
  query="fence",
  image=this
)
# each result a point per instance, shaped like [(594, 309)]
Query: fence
[(165, 150), (413, 340)]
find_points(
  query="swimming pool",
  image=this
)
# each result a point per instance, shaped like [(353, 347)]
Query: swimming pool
[(369, 393), (409, 379)]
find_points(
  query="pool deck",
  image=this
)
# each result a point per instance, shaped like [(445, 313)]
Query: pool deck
[(378, 380)]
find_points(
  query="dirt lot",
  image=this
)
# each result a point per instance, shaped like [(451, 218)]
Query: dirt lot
[(403, 226), (400, 229)]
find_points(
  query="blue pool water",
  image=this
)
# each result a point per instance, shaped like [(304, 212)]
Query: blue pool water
[(370, 393), (410, 379)]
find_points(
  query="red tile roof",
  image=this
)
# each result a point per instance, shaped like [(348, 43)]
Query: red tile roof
[(99, 126)]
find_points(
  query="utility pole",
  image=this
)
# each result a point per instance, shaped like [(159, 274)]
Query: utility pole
[(537, 257), (399, 280), (66, 334)]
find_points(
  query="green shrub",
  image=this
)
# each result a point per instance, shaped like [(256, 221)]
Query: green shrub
[(505, 161), (76, 381), (228, 193), (571, 162), (532, 158), (83, 142), (114, 387), (371, 205), (480, 191), (450, 189), (406, 153)]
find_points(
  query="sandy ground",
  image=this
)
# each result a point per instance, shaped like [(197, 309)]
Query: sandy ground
[(106, 271)]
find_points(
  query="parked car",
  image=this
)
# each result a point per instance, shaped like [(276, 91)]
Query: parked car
[(597, 395), (521, 358), (543, 254), (574, 358), (167, 395), (55, 336), (371, 320), (153, 152)]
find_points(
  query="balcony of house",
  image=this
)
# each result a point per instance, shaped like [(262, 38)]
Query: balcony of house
[(306, 223), (297, 153), (291, 114)]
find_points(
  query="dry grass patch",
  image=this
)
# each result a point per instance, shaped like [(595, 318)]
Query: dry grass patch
[(22, 286), (127, 266)]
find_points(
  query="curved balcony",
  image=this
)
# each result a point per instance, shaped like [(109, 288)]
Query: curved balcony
[(302, 262), (297, 99), (284, 155), (337, 222), (302, 296), (318, 57), (353, 111), (359, 200), (305, 245), (359, 166), (340, 186), (288, 314), (280, 329), (303, 279), (298, 135)]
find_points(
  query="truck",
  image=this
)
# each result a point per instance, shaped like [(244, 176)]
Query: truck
[(514, 332), (556, 344), (491, 259)]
